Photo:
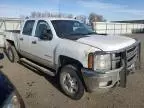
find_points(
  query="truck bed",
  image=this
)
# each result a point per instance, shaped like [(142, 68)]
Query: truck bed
[(12, 34)]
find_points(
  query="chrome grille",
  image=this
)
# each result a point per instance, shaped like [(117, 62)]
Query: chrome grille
[(126, 57), (131, 55)]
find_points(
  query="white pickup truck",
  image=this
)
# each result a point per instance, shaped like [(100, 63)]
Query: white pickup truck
[(81, 59)]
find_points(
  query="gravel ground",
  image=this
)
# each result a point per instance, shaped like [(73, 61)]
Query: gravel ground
[(41, 91)]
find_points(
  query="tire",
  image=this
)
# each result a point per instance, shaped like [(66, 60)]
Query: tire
[(70, 82), (12, 54)]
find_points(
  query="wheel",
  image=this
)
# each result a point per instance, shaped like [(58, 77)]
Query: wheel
[(70, 82), (12, 54)]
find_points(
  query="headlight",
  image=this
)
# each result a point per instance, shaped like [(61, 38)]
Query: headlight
[(13, 101), (102, 62), (99, 61)]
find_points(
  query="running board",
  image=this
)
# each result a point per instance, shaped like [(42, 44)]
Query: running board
[(37, 67)]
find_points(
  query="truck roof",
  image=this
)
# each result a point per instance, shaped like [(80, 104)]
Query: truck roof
[(51, 18)]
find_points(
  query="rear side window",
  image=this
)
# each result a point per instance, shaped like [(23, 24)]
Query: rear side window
[(28, 27)]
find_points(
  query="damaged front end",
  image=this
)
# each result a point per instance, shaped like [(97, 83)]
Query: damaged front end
[(109, 68)]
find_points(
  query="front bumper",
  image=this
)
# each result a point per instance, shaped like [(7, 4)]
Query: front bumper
[(97, 81)]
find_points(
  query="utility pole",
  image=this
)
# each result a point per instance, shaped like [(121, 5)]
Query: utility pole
[(59, 7)]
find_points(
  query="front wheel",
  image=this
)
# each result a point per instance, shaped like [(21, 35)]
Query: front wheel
[(71, 83)]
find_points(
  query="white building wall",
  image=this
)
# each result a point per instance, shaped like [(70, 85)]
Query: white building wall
[(116, 28)]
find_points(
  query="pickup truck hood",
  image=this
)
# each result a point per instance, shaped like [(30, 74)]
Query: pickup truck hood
[(108, 42)]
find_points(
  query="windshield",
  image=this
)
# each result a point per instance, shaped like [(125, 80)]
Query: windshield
[(69, 28)]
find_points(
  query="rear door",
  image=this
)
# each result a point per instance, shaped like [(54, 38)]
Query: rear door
[(26, 33)]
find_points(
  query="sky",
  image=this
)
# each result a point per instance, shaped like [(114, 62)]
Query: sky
[(111, 10)]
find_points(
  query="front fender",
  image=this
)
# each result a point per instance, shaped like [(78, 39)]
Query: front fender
[(74, 50)]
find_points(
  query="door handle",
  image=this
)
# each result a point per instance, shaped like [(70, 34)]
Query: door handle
[(34, 42), (21, 38)]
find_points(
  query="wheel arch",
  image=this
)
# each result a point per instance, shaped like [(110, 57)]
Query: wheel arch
[(65, 60), (10, 42)]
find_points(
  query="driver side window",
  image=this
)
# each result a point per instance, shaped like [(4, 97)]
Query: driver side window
[(42, 30)]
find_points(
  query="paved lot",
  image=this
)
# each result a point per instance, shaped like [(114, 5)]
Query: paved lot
[(41, 91)]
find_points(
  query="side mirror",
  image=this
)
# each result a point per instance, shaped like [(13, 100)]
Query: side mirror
[(1, 56), (46, 35)]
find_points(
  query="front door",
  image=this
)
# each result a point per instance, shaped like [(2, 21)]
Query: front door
[(42, 48)]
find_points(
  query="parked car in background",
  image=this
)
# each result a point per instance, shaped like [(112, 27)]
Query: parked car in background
[(9, 96), (81, 59)]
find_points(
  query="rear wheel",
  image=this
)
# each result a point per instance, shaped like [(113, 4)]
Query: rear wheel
[(12, 54), (70, 82)]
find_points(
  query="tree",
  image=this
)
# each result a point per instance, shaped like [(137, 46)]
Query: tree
[(49, 14), (33, 14), (70, 16), (93, 17), (81, 18)]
